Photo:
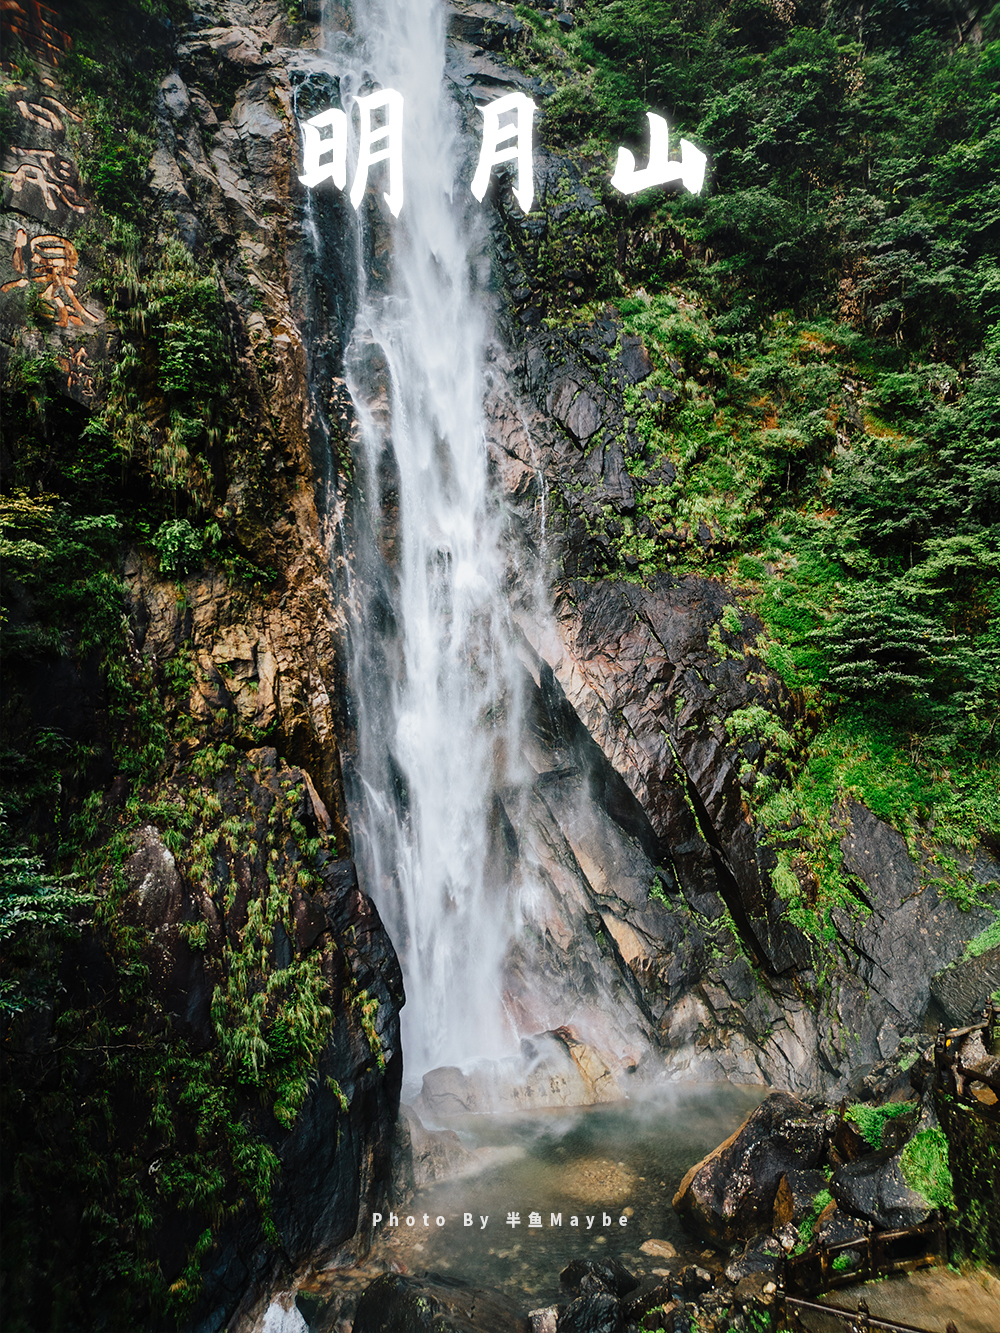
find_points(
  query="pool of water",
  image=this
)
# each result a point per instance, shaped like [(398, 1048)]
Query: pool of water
[(596, 1182)]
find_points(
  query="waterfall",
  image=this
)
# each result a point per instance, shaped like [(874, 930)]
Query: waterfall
[(432, 663)]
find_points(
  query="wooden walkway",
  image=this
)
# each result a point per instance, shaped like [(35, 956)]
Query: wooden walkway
[(859, 1321)]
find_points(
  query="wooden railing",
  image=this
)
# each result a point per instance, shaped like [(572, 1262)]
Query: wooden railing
[(869, 1257), (951, 1074)]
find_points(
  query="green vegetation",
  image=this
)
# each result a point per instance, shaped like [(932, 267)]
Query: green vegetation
[(115, 49), (37, 910), (171, 312), (133, 1136), (824, 327), (973, 1164), (658, 893), (870, 1120), (205, 1110), (924, 1163), (984, 941), (807, 1227)]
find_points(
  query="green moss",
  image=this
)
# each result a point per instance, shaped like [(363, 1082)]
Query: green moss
[(926, 1169), (657, 893), (983, 942), (807, 1226), (870, 1120)]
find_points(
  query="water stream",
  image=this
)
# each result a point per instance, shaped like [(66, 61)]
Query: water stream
[(439, 785), (432, 663)]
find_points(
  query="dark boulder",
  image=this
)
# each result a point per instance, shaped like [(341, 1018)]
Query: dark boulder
[(696, 1281), (848, 1144), (612, 1275), (646, 1298), (597, 1312), (756, 1291), (729, 1195), (435, 1304), (835, 1227), (760, 1256), (873, 1188)]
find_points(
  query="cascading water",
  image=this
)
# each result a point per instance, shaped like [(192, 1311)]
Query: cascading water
[(432, 662)]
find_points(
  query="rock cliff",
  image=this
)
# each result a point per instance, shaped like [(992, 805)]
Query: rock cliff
[(646, 688), (207, 1083)]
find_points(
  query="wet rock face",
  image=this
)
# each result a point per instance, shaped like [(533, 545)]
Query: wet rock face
[(395, 1304), (641, 654), (913, 934), (160, 905), (423, 1155), (553, 1069), (962, 990), (635, 673), (873, 1188), (246, 666), (730, 1195)]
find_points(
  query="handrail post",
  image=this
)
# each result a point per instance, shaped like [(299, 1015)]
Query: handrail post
[(939, 1057), (864, 1318)]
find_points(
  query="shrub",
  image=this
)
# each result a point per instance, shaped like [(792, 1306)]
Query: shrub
[(179, 547)]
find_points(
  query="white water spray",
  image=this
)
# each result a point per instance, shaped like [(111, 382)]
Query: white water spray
[(432, 663)]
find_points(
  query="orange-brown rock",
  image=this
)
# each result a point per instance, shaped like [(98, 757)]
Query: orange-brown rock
[(729, 1195)]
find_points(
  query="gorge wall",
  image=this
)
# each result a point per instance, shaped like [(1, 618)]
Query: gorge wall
[(203, 1056)]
